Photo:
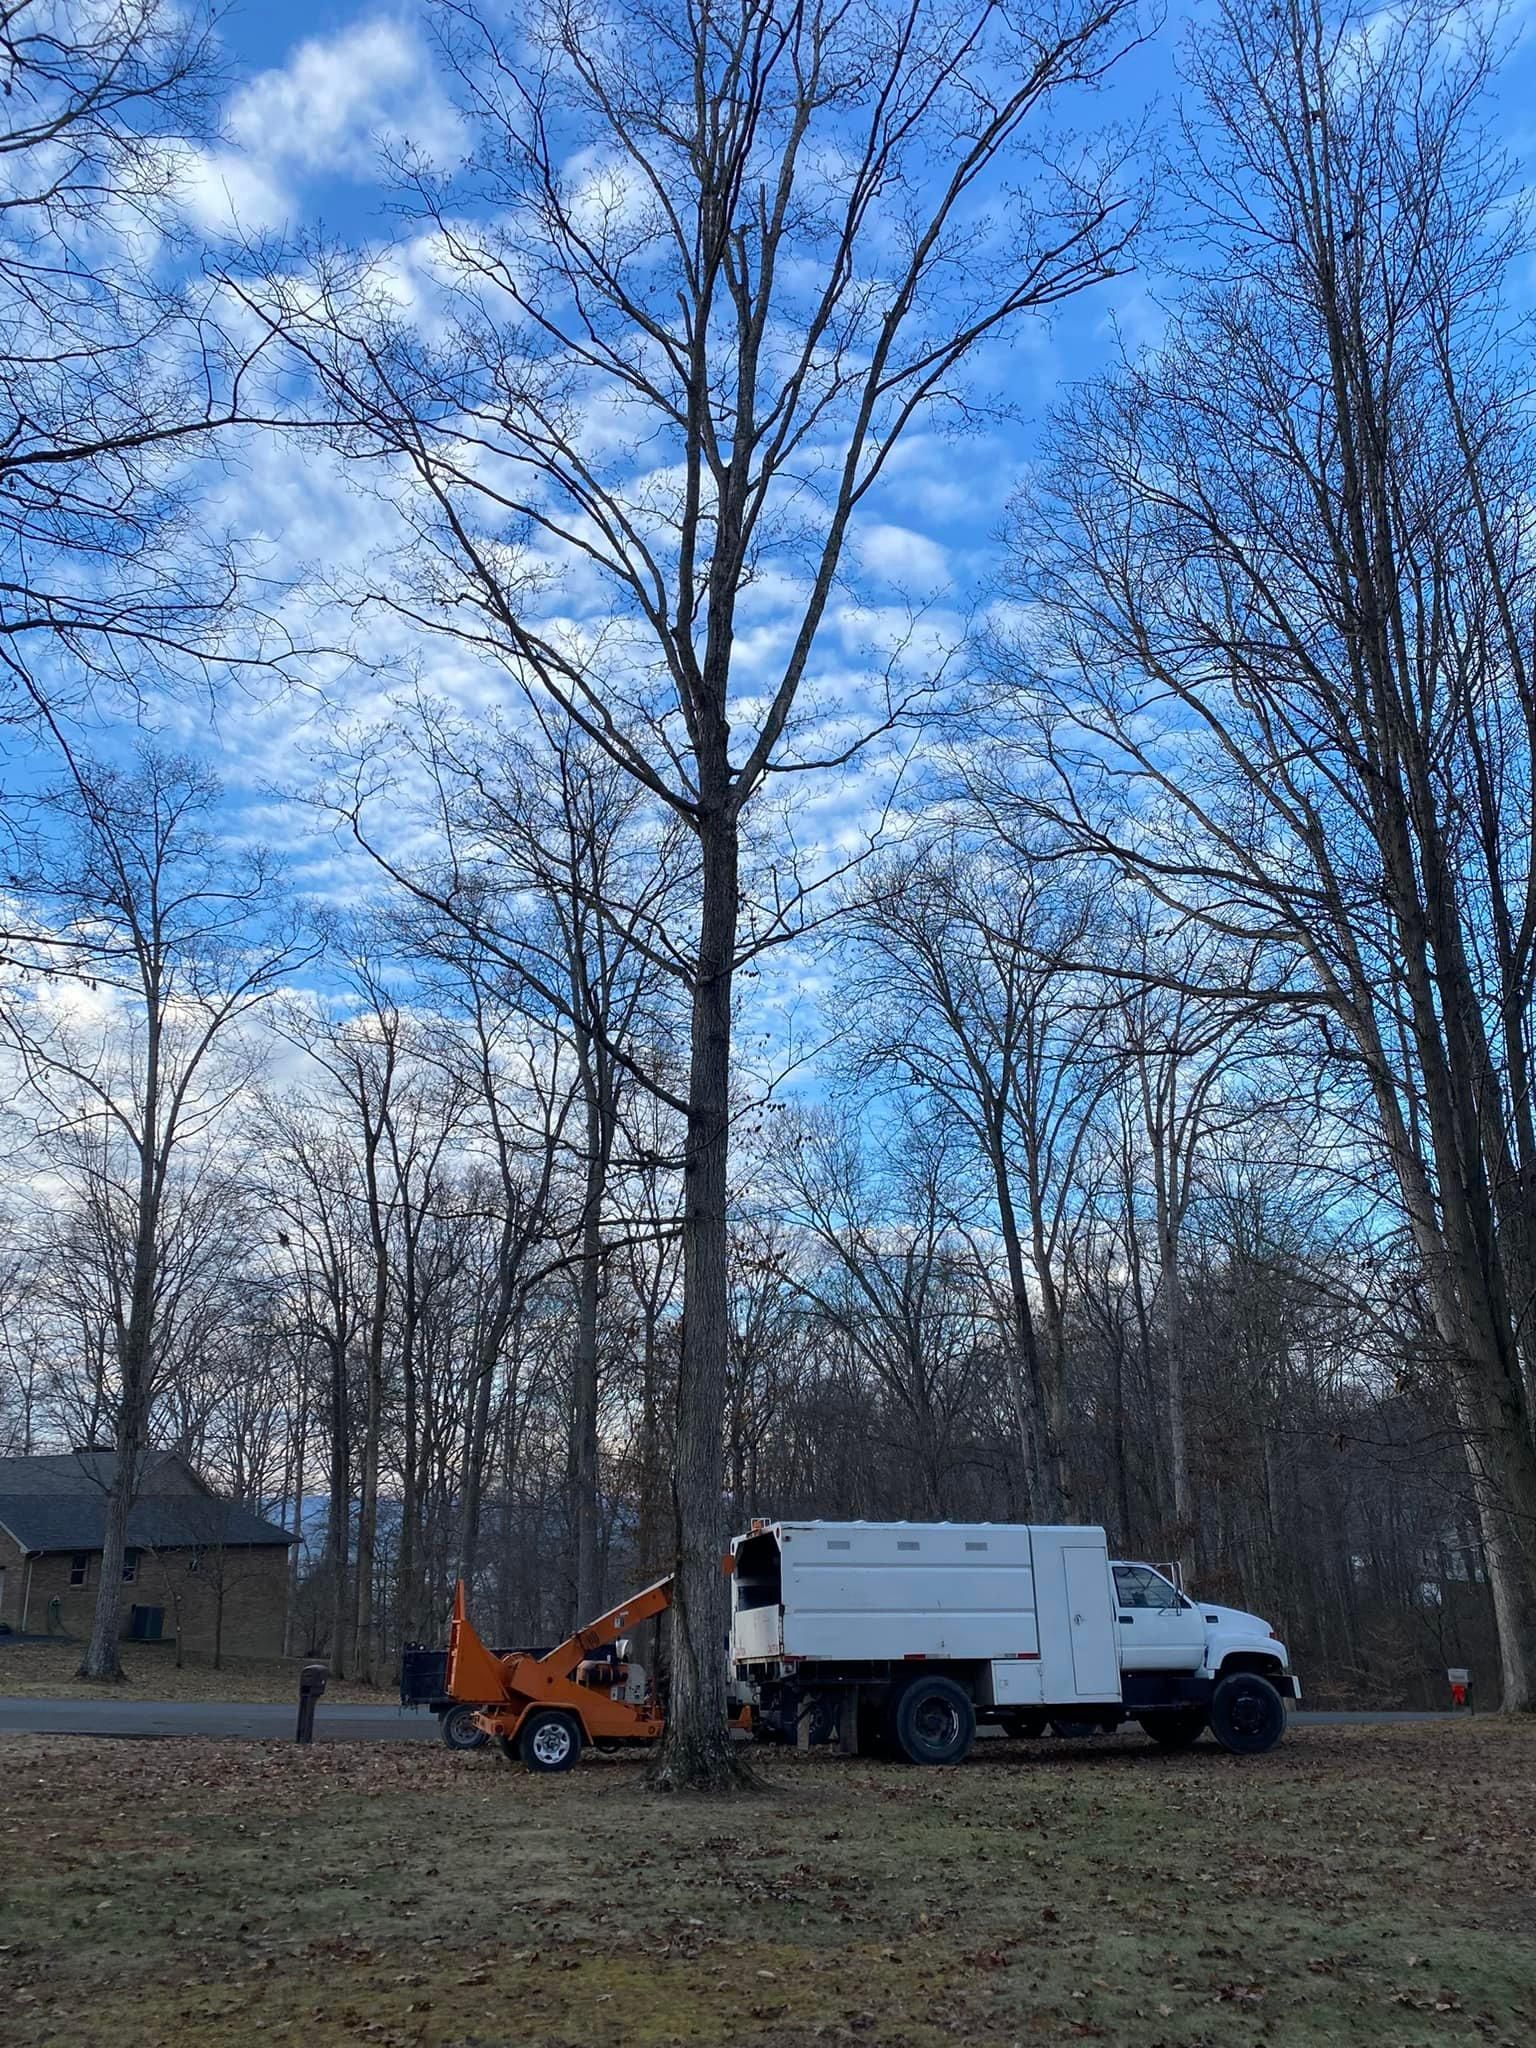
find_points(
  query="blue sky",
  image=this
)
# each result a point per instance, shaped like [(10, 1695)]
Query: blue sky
[(314, 89)]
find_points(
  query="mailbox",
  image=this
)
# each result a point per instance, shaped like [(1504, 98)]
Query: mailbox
[(312, 1679)]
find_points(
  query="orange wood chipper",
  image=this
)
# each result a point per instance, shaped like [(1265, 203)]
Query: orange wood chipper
[(541, 1710)]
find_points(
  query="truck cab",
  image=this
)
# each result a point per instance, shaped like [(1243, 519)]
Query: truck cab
[(1161, 1628), (899, 1637)]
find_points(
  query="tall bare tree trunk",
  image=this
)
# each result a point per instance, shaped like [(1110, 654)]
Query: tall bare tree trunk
[(407, 1571), (477, 1428), (696, 1752), (296, 1552), (1044, 1464), (584, 1446), (102, 1661), (365, 1637), (338, 1519)]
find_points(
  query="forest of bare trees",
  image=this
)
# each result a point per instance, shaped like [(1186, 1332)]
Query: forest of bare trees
[(1079, 1071)]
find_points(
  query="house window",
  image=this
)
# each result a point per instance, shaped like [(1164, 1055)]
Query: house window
[(79, 1566), (130, 1566)]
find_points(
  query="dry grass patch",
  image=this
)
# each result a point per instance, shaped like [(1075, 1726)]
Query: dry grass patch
[(1358, 1885), (34, 1670)]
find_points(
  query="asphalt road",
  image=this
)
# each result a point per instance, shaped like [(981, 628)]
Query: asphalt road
[(148, 1719), (244, 1721)]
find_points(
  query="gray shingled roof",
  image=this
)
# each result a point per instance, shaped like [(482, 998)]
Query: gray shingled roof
[(60, 1503), (87, 1472), (80, 1524)]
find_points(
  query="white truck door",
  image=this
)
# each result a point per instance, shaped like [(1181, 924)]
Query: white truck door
[(1090, 1616), (1159, 1630)]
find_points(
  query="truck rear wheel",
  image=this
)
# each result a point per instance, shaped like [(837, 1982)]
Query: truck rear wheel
[(549, 1740), (1178, 1730), (933, 1721), (457, 1728), (1247, 1714)]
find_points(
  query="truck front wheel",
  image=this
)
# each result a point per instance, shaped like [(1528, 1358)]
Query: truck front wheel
[(1247, 1714), (1177, 1730), (934, 1721)]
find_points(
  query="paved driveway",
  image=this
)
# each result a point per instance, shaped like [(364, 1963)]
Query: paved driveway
[(244, 1722), (342, 1723)]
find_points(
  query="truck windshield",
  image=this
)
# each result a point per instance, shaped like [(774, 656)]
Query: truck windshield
[(1137, 1585)]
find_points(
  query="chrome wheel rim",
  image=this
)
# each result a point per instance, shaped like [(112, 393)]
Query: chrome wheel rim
[(552, 1742)]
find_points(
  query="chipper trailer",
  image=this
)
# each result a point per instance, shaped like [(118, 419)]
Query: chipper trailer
[(899, 1638), (542, 1710)]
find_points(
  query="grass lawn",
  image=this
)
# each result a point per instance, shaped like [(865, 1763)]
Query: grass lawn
[(1357, 1885), (33, 1670)]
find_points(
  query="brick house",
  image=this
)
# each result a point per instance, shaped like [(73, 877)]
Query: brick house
[(198, 1569)]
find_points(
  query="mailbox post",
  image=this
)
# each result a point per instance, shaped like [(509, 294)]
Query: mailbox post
[(311, 1685)]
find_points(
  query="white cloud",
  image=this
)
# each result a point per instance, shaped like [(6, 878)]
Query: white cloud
[(326, 113), (224, 192), (336, 99), (909, 560)]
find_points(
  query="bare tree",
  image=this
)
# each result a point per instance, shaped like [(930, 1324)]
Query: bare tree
[(888, 1271), (1288, 683), (524, 1097), (550, 862), (360, 1044), (116, 370), (181, 940), (422, 1125), (309, 1185), (757, 242), (1182, 1063), (972, 991)]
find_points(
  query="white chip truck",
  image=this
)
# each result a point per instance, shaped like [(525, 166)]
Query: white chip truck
[(897, 1638)]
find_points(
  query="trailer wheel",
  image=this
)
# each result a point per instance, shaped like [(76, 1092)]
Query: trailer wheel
[(457, 1728), (549, 1740), (1178, 1730), (1247, 1714), (934, 1721)]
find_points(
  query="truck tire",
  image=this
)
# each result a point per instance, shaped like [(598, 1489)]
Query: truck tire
[(1180, 1729), (1247, 1714), (549, 1740), (456, 1726), (933, 1721)]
